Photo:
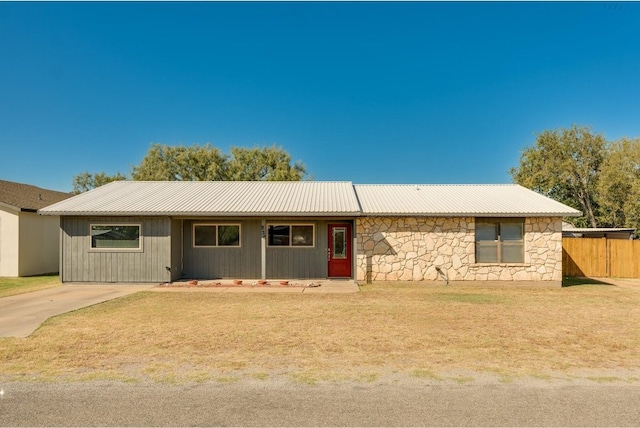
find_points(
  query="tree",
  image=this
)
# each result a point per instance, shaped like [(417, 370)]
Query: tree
[(564, 164), (263, 164), (179, 163), (87, 181), (619, 185), (204, 163)]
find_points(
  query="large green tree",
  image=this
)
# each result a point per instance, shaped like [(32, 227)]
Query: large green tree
[(564, 165), (180, 163), (619, 185), (263, 164), (87, 181), (204, 163)]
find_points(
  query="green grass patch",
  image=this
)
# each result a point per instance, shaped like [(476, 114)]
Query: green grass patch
[(468, 298), (260, 376), (425, 374), (604, 379), (27, 284)]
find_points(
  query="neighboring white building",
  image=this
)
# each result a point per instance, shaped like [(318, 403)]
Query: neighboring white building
[(29, 243)]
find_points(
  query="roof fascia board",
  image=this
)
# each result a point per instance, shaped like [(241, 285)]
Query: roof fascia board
[(515, 215), (200, 214), (9, 206)]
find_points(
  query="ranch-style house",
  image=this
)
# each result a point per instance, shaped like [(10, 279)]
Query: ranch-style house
[(129, 231)]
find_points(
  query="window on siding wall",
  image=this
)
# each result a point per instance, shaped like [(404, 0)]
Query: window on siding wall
[(216, 235), (499, 240), (291, 235), (115, 236)]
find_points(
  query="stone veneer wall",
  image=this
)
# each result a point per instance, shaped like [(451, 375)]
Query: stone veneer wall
[(414, 249)]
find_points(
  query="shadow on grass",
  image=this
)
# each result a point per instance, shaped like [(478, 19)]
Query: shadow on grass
[(571, 281)]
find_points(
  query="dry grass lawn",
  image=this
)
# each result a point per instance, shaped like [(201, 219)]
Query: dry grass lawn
[(407, 328)]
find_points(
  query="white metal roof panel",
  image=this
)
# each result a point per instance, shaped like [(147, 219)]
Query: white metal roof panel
[(506, 200), (245, 198), (306, 198)]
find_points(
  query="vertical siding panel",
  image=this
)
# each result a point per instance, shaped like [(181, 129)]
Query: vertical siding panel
[(300, 262), (243, 262), (176, 249), (149, 250), (81, 259), (83, 265)]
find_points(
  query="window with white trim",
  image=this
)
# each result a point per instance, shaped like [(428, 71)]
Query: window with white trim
[(499, 240), (115, 236), (291, 235), (216, 235)]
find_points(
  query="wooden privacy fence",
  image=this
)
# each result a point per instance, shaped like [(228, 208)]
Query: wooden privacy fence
[(601, 257)]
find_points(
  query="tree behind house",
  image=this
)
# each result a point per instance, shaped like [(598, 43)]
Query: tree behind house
[(203, 163), (564, 165)]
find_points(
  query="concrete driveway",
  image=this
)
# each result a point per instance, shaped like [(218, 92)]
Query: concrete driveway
[(22, 314)]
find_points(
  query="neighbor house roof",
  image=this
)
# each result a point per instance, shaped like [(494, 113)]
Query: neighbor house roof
[(25, 197), (222, 198), (307, 198), (568, 227), (489, 200)]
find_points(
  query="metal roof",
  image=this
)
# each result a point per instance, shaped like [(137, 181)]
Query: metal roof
[(488, 200), (213, 198), (307, 198)]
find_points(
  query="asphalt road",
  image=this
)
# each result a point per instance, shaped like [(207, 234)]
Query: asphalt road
[(268, 403)]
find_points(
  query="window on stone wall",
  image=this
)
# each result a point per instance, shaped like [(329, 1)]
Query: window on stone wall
[(499, 240)]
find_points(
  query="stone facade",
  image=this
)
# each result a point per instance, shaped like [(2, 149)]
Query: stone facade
[(439, 248)]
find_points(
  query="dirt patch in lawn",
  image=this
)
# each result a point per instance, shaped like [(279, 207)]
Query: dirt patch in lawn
[(414, 329)]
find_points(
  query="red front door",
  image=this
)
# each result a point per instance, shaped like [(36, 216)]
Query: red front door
[(339, 250)]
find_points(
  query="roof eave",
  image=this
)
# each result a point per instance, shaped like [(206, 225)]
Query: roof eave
[(472, 214), (9, 206), (201, 214)]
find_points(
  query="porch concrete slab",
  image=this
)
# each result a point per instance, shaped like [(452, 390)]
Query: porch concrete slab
[(22, 314)]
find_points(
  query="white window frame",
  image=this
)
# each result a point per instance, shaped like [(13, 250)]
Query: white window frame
[(290, 225), (140, 237), (216, 225)]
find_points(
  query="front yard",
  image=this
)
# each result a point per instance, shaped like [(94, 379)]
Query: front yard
[(407, 329), (13, 286)]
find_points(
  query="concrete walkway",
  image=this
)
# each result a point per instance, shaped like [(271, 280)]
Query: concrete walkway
[(22, 314)]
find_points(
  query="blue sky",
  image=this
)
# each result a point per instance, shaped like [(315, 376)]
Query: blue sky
[(365, 92)]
